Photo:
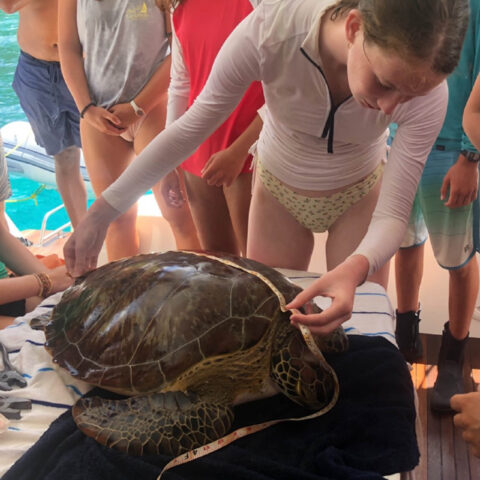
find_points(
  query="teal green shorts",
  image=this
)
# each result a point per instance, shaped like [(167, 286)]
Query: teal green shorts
[(453, 232)]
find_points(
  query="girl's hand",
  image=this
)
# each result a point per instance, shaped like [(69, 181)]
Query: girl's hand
[(223, 168), (125, 113), (339, 284), (104, 121), (60, 278), (467, 418), (82, 248), (171, 190), (460, 184)]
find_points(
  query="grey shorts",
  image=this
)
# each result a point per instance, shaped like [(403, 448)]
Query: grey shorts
[(47, 103)]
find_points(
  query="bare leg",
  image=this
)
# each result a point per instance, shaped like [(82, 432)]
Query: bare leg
[(70, 183), (463, 290), (238, 196), (274, 236), (348, 230), (179, 218), (106, 157), (408, 277), (211, 215)]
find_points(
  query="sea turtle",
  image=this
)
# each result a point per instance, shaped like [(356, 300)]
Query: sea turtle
[(185, 337)]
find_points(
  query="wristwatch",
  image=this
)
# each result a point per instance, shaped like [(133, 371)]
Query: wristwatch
[(138, 111), (473, 157)]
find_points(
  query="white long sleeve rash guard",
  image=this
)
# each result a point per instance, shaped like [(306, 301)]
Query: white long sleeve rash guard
[(306, 141)]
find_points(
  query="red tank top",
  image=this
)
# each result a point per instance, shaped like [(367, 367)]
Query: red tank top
[(201, 27)]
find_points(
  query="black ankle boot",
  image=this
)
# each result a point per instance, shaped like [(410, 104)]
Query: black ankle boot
[(408, 336), (450, 372)]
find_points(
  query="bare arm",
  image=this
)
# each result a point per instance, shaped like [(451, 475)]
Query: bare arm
[(157, 86), (17, 257), (27, 286), (13, 6), (20, 260), (70, 50), (179, 88), (471, 115), (223, 167), (14, 254), (18, 288), (243, 143)]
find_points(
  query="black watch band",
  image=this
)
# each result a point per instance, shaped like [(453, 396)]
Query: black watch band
[(473, 157)]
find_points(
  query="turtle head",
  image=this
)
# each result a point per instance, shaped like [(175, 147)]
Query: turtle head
[(297, 372)]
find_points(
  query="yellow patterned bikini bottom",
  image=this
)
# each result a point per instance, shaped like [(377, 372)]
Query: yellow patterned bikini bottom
[(317, 213)]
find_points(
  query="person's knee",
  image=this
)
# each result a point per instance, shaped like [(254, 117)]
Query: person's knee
[(466, 271), (67, 160), (124, 223)]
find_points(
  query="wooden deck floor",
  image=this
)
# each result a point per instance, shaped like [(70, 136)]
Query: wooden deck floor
[(444, 453)]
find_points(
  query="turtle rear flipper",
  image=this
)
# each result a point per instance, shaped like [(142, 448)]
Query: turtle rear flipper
[(40, 322), (170, 423)]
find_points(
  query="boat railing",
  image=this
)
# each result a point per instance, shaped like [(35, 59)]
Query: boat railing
[(47, 236)]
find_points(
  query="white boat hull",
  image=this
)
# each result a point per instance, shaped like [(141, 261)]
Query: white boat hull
[(27, 159)]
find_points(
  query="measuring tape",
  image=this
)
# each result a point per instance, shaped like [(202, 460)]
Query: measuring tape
[(244, 431)]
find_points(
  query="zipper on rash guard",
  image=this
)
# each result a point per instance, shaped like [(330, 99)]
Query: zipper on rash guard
[(328, 129)]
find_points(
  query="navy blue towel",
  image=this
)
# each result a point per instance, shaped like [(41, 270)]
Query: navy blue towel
[(369, 433)]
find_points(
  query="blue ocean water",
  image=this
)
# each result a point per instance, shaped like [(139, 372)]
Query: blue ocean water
[(25, 213)]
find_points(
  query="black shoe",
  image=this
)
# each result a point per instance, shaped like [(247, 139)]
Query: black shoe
[(408, 335), (450, 372)]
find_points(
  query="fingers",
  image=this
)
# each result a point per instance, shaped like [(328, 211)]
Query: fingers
[(206, 169), (111, 117), (175, 198), (444, 188), (216, 176), (307, 295), (459, 199), (91, 263), (456, 402), (473, 196), (459, 421), (325, 321), (475, 450), (214, 179), (211, 175), (77, 262), (111, 129), (69, 254), (317, 324)]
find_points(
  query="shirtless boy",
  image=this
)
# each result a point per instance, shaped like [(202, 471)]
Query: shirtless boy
[(45, 98)]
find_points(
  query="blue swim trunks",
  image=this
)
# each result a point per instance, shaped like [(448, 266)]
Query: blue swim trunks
[(454, 232), (47, 103)]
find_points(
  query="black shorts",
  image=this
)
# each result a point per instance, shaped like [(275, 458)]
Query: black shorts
[(13, 309)]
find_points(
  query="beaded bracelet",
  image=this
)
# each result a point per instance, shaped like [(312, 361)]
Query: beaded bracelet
[(44, 283), (86, 107)]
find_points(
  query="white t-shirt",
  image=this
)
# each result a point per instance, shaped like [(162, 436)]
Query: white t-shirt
[(276, 44)]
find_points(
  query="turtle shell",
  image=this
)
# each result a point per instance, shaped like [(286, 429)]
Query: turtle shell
[(134, 325)]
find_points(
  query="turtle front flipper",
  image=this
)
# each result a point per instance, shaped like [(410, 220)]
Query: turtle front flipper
[(170, 423)]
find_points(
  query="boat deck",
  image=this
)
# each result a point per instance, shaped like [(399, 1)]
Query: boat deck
[(444, 453)]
